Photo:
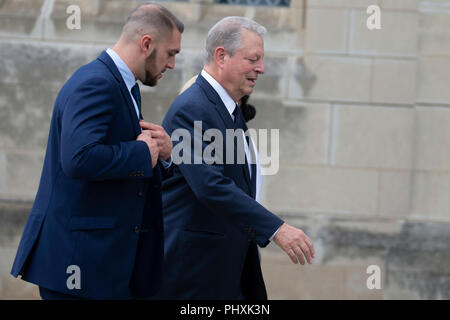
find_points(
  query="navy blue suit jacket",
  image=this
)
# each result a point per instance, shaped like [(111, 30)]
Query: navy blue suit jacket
[(212, 222), (96, 182)]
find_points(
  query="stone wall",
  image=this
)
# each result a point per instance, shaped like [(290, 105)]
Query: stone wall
[(363, 118)]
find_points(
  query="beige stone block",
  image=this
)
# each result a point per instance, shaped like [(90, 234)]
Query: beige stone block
[(433, 80), (23, 174), (354, 242), (397, 37), (394, 81), (277, 19), (285, 280), (304, 134), (399, 4), (388, 229), (193, 38), (25, 113), (372, 137), (2, 172), (93, 31), (20, 18), (269, 113), (193, 62), (342, 3), (273, 82), (326, 30), (26, 63), (435, 31), (395, 188), (432, 139), (356, 282), (91, 8), (100, 21), (400, 291), (430, 196), (344, 255), (330, 78), (284, 25), (16, 289), (283, 41), (322, 190), (10, 287)]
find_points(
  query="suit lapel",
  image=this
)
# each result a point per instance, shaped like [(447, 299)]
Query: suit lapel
[(106, 59), (213, 96)]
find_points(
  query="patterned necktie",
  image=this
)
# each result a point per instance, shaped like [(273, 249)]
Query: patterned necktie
[(137, 97)]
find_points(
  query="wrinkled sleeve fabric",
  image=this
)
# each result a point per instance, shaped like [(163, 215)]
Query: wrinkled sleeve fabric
[(85, 123)]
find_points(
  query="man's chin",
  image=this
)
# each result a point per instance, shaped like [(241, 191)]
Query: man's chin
[(248, 91), (151, 83)]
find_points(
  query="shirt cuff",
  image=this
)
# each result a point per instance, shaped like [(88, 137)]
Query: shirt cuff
[(167, 164), (271, 238)]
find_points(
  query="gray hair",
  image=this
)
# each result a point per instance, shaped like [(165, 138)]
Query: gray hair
[(227, 33), (151, 17)]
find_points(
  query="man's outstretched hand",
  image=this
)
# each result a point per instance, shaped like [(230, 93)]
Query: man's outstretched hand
[(295, 243)]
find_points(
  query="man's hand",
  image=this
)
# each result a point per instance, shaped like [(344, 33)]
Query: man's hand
[(152, 146), (161, 137), (295, 243)]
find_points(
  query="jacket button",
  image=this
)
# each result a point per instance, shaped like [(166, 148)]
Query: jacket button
[(141, 193)]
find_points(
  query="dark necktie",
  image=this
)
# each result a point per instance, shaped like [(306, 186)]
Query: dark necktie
[(240, 123), (235, 113), (137, 97), (239, 118)]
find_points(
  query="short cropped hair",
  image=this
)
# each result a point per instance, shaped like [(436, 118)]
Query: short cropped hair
[(152, 18)]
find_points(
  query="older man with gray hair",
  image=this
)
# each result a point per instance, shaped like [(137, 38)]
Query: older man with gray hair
[(212, 222)]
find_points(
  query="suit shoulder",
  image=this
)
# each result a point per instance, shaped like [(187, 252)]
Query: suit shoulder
[(90, 77), (193, 100), (190, 106), (95, 74), (93, 70)]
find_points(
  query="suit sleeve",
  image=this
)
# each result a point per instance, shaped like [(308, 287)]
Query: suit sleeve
[(220, 194), (85, 124)]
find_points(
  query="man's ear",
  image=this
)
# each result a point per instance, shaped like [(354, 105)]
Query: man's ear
[(220, 55), (147, 44)]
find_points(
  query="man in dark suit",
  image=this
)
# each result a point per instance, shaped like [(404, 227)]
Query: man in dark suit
[(95, 229), (212, 221)]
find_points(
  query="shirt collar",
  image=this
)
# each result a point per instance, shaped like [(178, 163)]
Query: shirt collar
[(125, 72), (229, 103)]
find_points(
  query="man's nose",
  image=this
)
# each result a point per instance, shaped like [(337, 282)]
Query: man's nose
[(171, 64), (260, 67)]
